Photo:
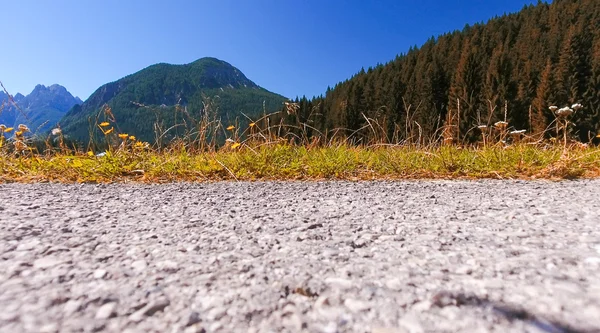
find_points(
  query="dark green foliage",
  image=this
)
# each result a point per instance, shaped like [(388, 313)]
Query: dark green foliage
[(172, 95), (547, 54)]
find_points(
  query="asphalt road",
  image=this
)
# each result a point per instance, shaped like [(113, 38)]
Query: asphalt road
[(422, 256)]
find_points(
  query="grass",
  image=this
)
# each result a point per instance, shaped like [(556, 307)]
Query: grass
[(290, 162), (268, 150)]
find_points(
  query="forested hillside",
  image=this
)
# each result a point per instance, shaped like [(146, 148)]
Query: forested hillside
[(547, 54), (172, 97)]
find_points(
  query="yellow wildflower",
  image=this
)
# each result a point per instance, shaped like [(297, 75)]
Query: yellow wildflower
[(18, 133), (109, 131), (124, 136), (235, 145), (104, 124), (230, 128), (90, 153), (141, 145), (8, 130), (132, 138), (252, 124)]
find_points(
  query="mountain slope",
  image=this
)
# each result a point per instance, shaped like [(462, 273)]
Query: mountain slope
[(547, 54), (40, 110), (155, 93)]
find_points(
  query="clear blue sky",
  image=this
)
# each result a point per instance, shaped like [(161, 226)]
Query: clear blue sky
[(292, 47)]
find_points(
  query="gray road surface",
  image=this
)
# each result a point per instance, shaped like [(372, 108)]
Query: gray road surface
[(382, 257)]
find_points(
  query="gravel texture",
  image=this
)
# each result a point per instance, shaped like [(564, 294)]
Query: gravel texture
[(381, 257)]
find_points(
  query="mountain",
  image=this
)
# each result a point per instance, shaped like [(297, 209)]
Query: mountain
[(171, 95), (40, 110), (546, 54)]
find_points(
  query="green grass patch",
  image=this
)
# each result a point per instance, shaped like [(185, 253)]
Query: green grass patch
[(289, 162)]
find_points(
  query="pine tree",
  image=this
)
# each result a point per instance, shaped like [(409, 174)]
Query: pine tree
[(465, 87), (591, 97), (541, 116), (499, 87)]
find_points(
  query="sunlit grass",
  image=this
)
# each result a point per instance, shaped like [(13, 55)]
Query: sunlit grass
[(289, 162), (213, 151)]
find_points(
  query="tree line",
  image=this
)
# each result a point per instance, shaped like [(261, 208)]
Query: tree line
[(512, 68)]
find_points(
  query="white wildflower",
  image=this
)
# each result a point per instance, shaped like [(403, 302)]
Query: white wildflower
[(501, 124), (564, 112), (56, 131), (576, 106)]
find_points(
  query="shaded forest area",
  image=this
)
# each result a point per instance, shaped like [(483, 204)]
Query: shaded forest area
[(515, 66)]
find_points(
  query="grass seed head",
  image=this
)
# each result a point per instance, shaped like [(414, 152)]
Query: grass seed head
[(291, 108)]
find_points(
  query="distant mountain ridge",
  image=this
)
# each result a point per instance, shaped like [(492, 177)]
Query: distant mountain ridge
[(151, 95), (40, 110)]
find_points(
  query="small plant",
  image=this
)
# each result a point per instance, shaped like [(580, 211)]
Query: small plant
[(562, 116), (502, 128), (516, 135), (3, 130)]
